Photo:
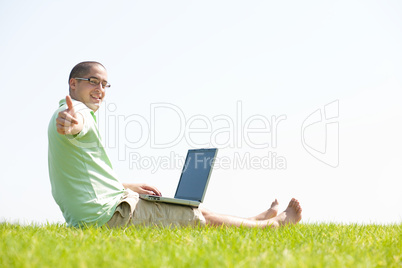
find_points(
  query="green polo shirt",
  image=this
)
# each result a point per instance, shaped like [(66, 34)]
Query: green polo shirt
[(84, 184)]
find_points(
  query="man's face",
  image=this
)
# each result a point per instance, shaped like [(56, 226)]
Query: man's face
[(83, 91)]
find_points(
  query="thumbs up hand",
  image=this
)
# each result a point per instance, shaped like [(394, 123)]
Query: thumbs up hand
[(68, 122)]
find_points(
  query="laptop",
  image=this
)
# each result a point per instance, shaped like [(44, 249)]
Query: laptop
[(194, 179)]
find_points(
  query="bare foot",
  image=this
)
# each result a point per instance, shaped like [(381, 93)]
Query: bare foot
[(268, 214), (291, 215)]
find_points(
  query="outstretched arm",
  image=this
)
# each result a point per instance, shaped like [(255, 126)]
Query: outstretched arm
[(142, 188)]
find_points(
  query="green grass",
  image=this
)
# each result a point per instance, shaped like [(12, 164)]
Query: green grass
[(303, 245)]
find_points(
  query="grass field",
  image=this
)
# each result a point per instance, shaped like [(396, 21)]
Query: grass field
[(303, 245)]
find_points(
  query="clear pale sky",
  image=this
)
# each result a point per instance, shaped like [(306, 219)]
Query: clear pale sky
[(302, 98)]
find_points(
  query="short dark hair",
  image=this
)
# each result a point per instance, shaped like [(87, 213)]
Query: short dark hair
[(82, 69)]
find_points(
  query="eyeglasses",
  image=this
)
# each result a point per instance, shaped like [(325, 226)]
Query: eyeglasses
[(95, 81)]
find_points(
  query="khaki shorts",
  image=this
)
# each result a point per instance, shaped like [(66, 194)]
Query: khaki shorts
[(134, 211)]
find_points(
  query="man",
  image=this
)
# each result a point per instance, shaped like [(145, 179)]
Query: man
[(85, 186)]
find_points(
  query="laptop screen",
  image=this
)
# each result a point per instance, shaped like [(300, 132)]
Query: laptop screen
[(195, 175)]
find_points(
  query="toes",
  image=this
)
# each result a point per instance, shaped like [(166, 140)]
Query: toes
[(292, 202), (274, 204)]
